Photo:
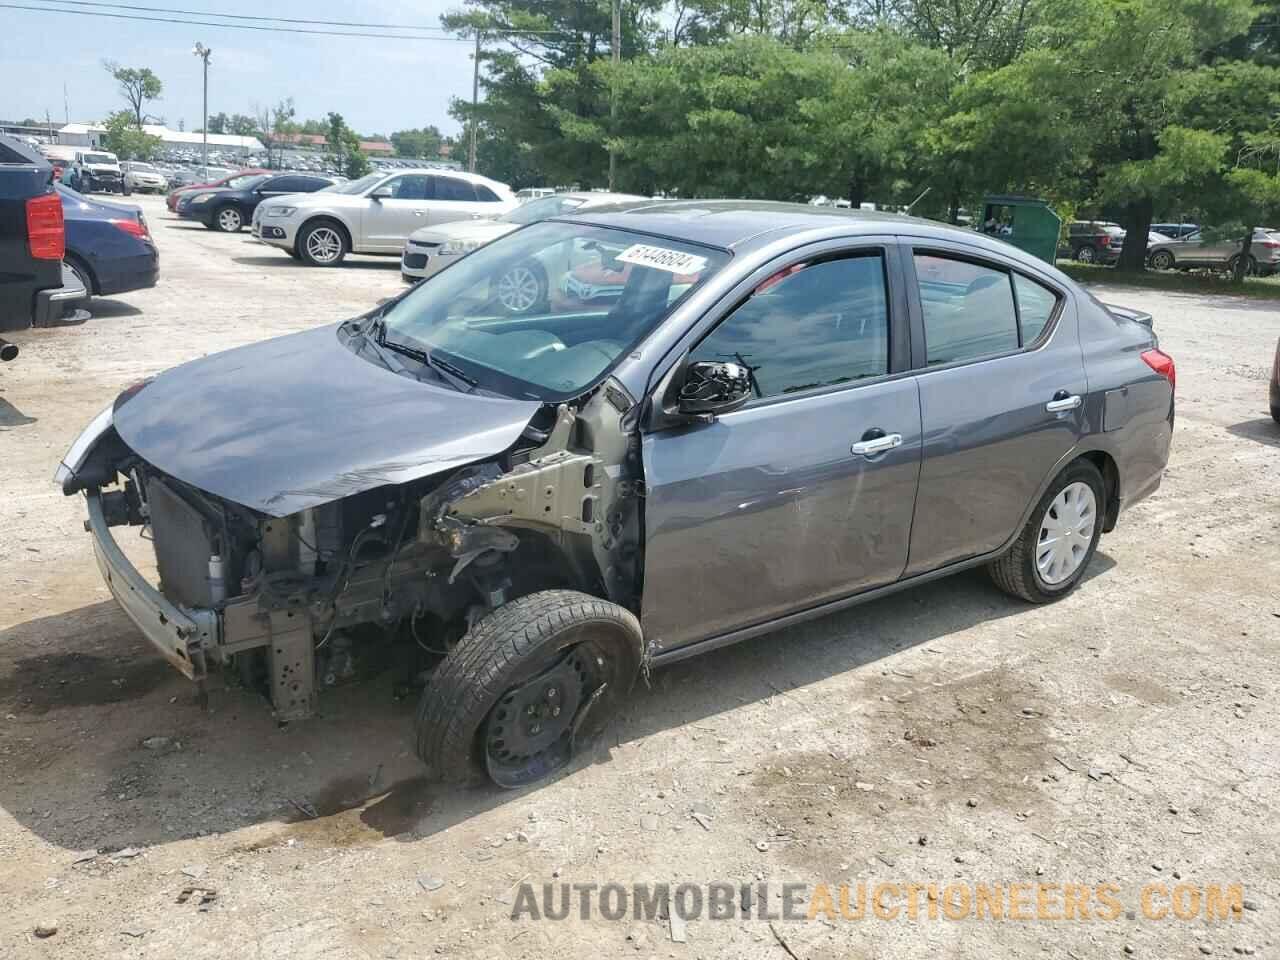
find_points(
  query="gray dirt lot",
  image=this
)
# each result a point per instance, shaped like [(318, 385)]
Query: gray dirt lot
[(1124, 734)]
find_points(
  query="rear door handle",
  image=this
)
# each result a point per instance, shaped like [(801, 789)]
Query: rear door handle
[(1058, 404), (867, 448)]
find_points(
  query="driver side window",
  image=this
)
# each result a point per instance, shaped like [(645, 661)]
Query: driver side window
[(809, 326)]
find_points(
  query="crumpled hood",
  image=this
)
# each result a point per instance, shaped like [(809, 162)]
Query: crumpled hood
[(300, 421), (485, 230)]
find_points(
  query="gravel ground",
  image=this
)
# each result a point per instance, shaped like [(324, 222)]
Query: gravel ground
[(946, 734)]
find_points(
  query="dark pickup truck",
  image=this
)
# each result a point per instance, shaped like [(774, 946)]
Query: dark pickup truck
[(36, 289)]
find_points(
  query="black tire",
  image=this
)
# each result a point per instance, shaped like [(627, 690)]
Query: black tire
[(1161, 260), (507, 649), (293, 252), (1275, 414), (1085, 253), (303, 243), (228, 219), (1251, 267), (1016, 573)]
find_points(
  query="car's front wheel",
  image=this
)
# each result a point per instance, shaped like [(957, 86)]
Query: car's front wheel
[(514, 694), (1051, 553), (228, 220), (322, 244), (1162, 260), (1086, 254)]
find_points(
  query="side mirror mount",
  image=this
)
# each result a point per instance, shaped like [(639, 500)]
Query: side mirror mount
[(711, 387), (382, 193)]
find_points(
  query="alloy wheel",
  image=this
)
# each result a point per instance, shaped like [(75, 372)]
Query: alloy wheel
[(229, 219), (1085, 255), (324, 245), (518, 289), (1066, 532)]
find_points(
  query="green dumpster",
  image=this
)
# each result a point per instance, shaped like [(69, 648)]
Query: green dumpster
[(1026, 222)]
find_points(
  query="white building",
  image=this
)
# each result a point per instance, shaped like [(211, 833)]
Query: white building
[(91, 134)]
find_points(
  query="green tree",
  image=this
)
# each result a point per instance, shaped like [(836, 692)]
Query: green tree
[(273, 127), (138, 86), (344, 144), (126, 140), (424, 142), (217, 123)]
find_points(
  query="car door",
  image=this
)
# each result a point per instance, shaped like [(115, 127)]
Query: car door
[(1002, 387), (388, 220), (454, 199), (804, 495)]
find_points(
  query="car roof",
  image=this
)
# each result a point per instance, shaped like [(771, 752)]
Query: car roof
[(437, 172), (732, 224)]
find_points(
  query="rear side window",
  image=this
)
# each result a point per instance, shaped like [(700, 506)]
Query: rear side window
[(412, 186), (449, 189), (485, 195), (968, 309), (1036, 304), (808, 327)]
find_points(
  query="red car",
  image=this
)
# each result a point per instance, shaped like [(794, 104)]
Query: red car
[(172, 200)]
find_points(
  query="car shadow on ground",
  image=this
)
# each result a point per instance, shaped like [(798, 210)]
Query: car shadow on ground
[(103, 745), (11, 416), (1262, 429), (350, 263), (100, 308)]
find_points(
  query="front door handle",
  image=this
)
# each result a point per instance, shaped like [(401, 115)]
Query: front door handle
[(868, 448), (1060, 402)]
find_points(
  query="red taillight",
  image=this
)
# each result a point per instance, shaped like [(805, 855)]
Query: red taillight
[(1104, 241), (130, 226), (1161, 363), (1269, 244), (46, 234)]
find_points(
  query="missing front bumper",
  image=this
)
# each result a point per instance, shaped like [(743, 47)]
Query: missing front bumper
[(182, 636)]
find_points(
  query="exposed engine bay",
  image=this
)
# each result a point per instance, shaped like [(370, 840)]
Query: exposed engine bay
[(423, 560)]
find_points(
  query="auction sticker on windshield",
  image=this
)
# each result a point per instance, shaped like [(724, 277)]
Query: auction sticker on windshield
[(660, 258)]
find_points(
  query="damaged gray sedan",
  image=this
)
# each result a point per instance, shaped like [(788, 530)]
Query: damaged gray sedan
[(752, 414)]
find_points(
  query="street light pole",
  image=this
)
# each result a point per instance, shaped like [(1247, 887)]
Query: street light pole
[(475, 100), (203, 52)]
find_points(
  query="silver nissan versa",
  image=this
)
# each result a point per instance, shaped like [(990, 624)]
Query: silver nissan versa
[(777, 411)]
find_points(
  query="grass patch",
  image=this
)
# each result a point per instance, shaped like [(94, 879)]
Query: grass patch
[(1175, 281)]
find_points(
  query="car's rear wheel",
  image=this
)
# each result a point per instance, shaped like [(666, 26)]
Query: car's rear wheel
[(322, 244), (82, 273), (228, 220), (1250, 267), (1162, 260), (1275, 414), (1086, 253), (1055, 547), (522, 289), (513, 695)]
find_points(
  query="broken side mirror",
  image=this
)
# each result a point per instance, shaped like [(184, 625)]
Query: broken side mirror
[(711, 387)]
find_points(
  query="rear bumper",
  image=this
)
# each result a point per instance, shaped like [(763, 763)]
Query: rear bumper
[(183, 637), (57, 303)]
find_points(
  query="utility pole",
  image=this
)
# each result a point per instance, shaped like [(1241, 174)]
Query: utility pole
[(475, 102), (203, 52), (49, 123), (613, 91)]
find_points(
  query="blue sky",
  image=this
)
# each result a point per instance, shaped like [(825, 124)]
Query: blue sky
[(377, 85)]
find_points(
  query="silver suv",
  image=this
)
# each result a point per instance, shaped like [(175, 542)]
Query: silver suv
[(376, 213)]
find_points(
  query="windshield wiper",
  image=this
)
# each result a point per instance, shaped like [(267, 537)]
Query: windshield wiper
[(451, 370), (378, 329)]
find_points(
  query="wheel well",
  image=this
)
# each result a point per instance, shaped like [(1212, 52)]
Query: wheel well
[(88, 270), (325, 218), (1111, 485)]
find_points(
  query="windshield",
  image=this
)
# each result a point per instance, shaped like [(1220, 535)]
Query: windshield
[(244, 180), (145, 167), (358, 186), (99, 158), (546, 311), (536, 210)]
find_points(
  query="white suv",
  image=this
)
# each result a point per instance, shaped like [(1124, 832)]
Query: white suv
[(375, 213)]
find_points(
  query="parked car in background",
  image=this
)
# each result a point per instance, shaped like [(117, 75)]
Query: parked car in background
[(549, 505), (534, 193), (429, 250), (109, 245), (234, 180), (36, 287), (229, 208), (1275, 385), (1175, 231), (1092, 241), (143, 177), (376, 213), (1194, 251), (96, 171)]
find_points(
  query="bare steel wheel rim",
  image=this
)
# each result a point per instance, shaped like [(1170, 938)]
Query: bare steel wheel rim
[(518, 289), (323, 244), (1066, 531), (229, 220)]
